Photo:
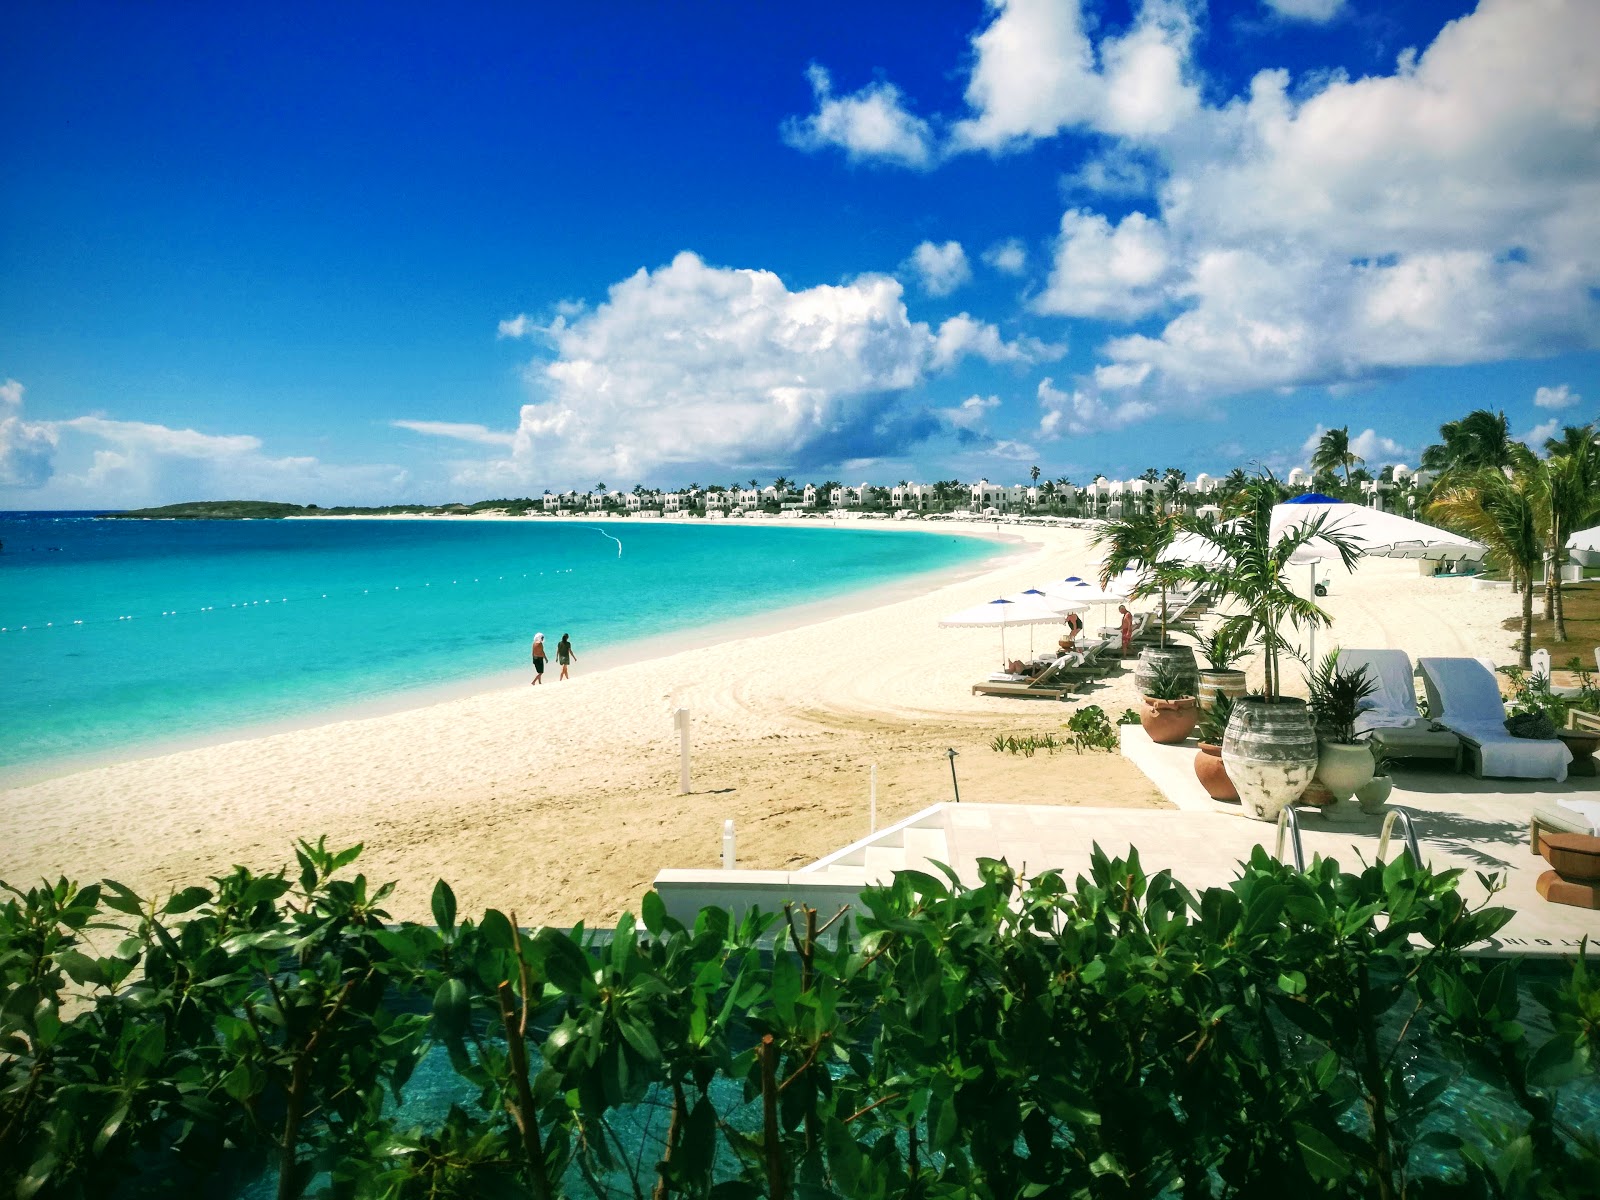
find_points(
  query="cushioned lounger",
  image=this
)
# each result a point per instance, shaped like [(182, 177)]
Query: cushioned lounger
[(1464, 697), (1389, 716)]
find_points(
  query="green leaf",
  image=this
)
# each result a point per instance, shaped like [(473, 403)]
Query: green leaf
[(638, 1035), (1557, 1061), (565, 964), (121, 899), (110, 1128), (1293, 982), (654, 912), (452, 1008), (444, 906), (36, 1177), (1322, 1158), (81, 969), (496, 929), (184, 901)]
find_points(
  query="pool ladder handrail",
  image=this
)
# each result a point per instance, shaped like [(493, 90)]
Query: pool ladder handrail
[(1408, 830), (1289, 822)]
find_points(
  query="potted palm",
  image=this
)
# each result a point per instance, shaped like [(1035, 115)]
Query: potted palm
[(1209, 768), (1143, 540), (1169, 713), (1344, 761), (1270, 747), (1221, 649)]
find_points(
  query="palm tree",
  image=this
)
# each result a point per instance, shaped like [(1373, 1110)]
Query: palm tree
[(1480, 439), (1333, 453), (1502, 512), (781, 483), (1140, 539), (1568, 495), (1033, 473), (1250, 571)]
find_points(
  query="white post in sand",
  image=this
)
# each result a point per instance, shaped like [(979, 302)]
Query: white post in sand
[(681, 719), (727, 844), (874, 808)]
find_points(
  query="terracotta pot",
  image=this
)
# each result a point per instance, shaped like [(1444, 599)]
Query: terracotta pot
[(1374, 794), (1220, 683), (1169, 721), (1342, 768), (1317, 795), (1212, 773), (1271, 752)]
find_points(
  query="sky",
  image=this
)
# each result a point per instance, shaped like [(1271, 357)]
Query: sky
[(372, 253)]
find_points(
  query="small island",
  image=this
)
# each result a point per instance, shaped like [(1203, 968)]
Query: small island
[(271, 510)]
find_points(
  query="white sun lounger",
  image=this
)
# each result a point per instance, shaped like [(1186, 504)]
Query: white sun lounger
[(1389, 717), (1465, 698)]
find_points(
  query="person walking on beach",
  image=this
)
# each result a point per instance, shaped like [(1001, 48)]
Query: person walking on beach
[(538, 658), (1127, 630), (564, 654)]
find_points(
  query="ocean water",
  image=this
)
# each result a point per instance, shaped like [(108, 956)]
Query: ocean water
[(122, 635)]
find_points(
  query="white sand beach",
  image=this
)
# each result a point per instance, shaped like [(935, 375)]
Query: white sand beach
[(562, 802)]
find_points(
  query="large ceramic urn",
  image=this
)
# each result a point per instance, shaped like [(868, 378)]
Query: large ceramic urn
[(1344, 768), (1270, 750), (1180, 658), (1220, 683)]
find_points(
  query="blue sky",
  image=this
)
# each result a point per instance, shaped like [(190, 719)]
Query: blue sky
[(372, 253)]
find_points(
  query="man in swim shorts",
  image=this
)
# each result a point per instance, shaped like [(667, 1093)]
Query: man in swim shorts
[(538, 658)]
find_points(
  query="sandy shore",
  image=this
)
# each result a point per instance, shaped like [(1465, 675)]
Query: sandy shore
[(562, 802)]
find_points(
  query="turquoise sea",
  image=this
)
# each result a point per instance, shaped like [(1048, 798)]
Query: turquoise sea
[(122, 635)]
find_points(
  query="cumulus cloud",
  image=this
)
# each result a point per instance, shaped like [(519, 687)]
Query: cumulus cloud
[(518, 326), (971, 413), (459, 431), (940, 269), (1369, 445), (1556, 397), (963, 336), (1316, 11), (692, 364), (1009, 257), (1536, 437), (1083, 411), (870, 125), (27, 448), (1101, 270)]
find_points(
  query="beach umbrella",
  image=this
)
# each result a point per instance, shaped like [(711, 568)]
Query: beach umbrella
[(1002, 614), (1083, 592), (1057, 604), (1374, 531), (1584, 546)]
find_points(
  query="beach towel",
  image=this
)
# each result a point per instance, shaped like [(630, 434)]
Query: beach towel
[(1465, 698), (1394, 704)]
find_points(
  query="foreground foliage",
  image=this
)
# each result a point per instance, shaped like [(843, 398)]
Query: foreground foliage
[(1113, 1036)]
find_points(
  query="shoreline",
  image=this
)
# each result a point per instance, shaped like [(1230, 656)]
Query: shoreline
[(624, 655)]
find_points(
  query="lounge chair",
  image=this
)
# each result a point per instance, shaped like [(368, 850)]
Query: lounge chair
[(1465, 698), (1389, 717), (1048, 684)]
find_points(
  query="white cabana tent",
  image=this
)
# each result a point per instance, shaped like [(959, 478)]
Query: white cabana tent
[(1377, 532), (1002, 613)]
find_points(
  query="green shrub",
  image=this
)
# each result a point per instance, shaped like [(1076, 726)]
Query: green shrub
[(1113, 1036)]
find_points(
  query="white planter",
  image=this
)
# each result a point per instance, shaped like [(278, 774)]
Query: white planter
[(1342, 768), (1374, 794), (1270, 751)]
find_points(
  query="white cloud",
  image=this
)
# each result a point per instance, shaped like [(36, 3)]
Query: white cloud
[(27, 448), (1034, 75), (1101, 271), (971, 414), (1013, 450), (1115, 376), (99, 462), (1556, 397), (1082, 411), (1536, 437), (870, 125), (692, 364), (1376, 450), (963, 336), (940, 269), (1009, 257), (518, 326), (459, 431), (1317, 11)]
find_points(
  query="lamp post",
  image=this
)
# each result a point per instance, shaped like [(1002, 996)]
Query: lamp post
[(951, 752)]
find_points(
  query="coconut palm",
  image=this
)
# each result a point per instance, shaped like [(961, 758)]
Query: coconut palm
[(1567, 493), (1139, 539), (1333, 453), (1480, 439), (1251, 571), (1502, 512)]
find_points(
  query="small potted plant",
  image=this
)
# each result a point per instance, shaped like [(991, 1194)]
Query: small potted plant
[(1209, 768), (1344, 760), (1374, 794), (1222, 648), (1170, 712)]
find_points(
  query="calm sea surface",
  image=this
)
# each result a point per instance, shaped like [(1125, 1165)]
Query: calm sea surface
[(143, 632)]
